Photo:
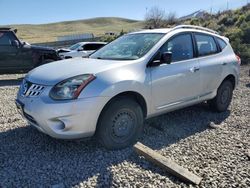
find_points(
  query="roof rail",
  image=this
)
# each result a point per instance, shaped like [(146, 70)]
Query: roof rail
[(195, 27)]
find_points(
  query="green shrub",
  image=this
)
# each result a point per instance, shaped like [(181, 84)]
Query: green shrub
[(108, 38), (227, 21), (195, 21), (246, 34), (248, 16), (240, 20)]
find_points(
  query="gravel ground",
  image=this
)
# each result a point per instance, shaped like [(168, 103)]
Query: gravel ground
[(215, 151)]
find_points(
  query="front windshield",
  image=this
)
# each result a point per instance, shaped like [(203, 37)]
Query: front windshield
[(75, 46), (128, 47)]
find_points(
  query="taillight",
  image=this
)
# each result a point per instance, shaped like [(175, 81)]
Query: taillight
[(239, 60)]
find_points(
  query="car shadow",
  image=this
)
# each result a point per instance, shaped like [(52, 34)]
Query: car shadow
[(28, 157), (180, 124), (11, 82)]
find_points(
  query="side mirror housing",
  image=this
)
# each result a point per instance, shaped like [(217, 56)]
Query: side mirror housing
[(80, 49), (161, 58), (166, 58), (15, 43)]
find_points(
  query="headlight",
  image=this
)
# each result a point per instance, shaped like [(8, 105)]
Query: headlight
[(71, 88)]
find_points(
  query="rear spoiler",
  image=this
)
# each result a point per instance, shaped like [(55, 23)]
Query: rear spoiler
[(226, 39)]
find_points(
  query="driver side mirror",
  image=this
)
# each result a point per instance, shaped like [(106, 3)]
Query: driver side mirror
[(161, 58), (166, 58), (15, 43), (80, 49)]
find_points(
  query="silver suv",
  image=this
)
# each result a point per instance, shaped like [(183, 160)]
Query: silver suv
[(138, 76)]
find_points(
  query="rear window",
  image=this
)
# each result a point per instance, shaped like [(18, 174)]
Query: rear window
[(206, 44), (221, 43)]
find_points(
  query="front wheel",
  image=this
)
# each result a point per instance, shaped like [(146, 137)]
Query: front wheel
[(223, 98), (120, 123)]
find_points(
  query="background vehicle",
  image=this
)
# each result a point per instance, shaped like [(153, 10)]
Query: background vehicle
[(16, 55), (137, 76), (81, 49)]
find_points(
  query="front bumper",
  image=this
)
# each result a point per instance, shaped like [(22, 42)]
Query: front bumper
[(62, 119)]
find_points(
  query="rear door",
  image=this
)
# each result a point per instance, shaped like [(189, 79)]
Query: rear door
[(179, 82), (210, 62)]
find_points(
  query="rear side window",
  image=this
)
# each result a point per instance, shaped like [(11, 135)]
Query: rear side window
[(180, 46), (221, 43), (89, 47), (205, 44), (4, 39)]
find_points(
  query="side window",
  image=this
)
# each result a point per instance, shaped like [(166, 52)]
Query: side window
[(89, 47), (221, 43), (4, 39), (99, 46), (180, 46), (205, 44)]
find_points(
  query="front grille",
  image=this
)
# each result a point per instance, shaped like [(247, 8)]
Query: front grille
[(31, 90), (34, 90)]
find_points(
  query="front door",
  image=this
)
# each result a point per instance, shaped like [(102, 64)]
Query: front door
[(8, 52), (179, 82)]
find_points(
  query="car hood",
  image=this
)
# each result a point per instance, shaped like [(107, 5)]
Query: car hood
[(42, 48), (53, 73), (63, 50)]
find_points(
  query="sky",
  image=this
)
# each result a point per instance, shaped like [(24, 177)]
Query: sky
[(49, 11)]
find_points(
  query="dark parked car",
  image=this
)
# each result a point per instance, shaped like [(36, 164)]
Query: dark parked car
[(18, 56)]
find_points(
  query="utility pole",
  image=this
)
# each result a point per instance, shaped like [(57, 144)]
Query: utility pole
[(227, 5), (211, 8)]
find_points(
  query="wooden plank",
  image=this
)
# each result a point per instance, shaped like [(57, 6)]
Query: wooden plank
[(167, 164)]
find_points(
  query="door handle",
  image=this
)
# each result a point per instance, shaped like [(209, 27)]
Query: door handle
[(194, 69), (224, 63)]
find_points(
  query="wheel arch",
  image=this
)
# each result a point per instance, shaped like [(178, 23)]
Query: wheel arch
[(132, 95), (231, 78)]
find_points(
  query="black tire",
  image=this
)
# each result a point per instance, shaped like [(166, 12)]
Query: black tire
[(120, 124), (223, 98)]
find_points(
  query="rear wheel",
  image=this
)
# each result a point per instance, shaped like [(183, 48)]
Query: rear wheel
[(120, 123), (223, 98)]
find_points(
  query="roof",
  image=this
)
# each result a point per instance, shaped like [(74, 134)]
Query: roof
[(162, 30), (5, 28)]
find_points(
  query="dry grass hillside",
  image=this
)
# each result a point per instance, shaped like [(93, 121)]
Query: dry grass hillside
[(97, 26)]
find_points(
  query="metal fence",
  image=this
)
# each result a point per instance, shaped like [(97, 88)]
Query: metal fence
[(76, 37), (63, 44)]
